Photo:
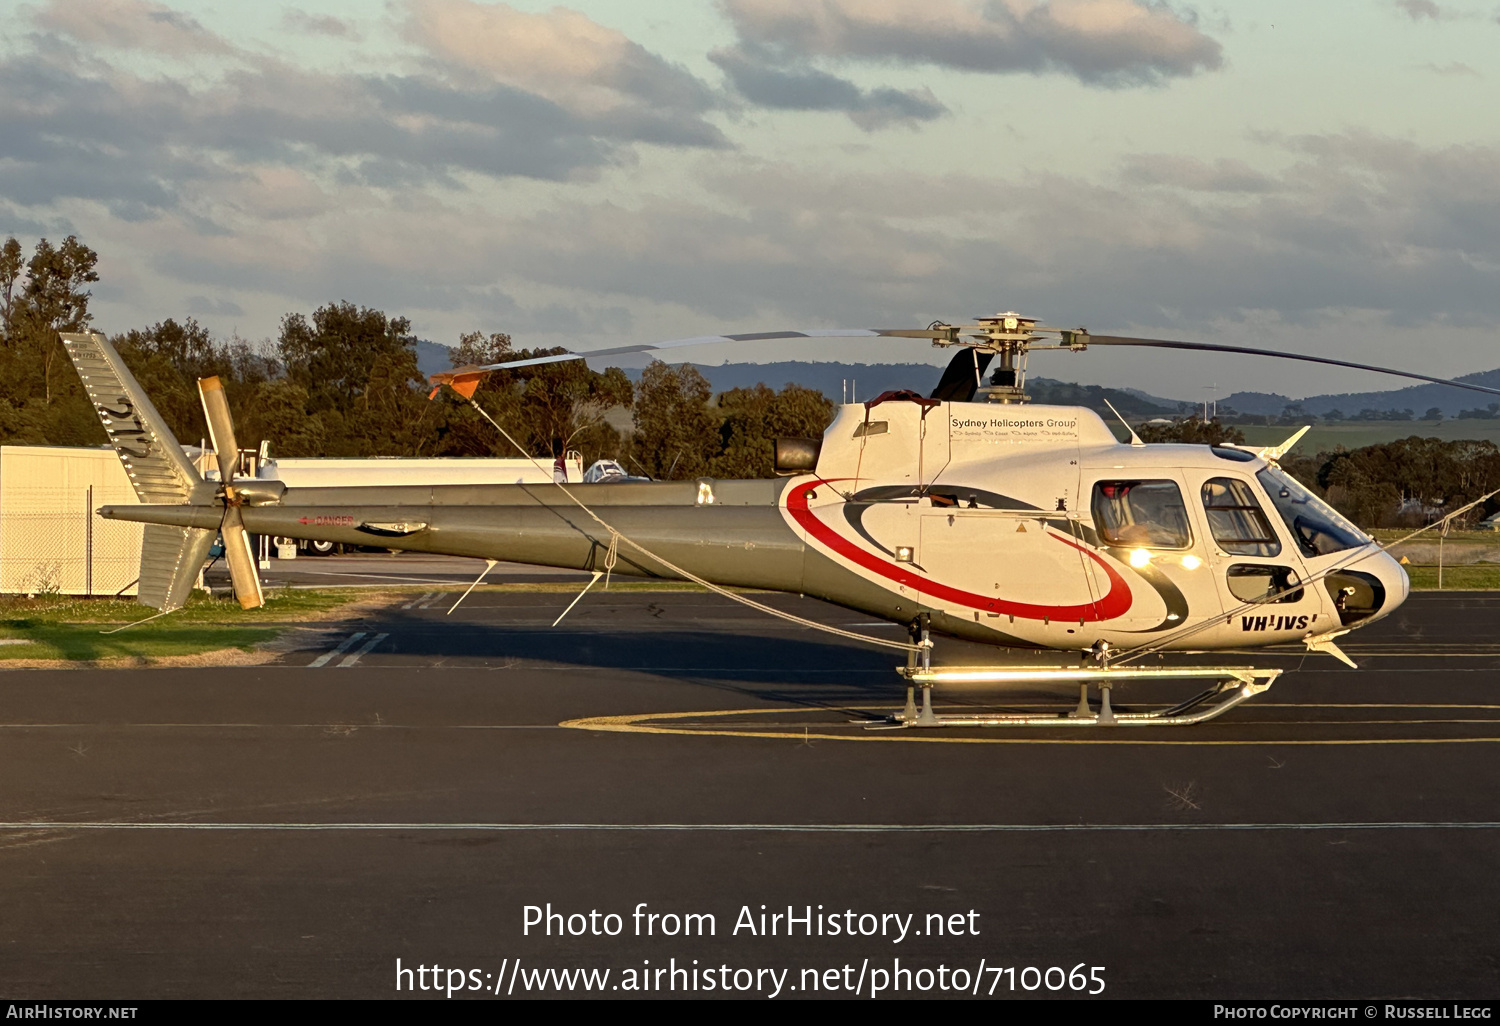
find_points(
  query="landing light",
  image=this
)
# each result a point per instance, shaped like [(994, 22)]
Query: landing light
[(1191, 562), (1139, 558), (904, 554)]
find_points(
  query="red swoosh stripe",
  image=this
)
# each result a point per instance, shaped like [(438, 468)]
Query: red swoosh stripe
[(1114, 604)]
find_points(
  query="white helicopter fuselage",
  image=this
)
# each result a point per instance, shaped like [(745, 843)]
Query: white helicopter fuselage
[(1032, 526)]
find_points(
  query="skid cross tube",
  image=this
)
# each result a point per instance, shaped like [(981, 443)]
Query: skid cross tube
[(1231, 686)]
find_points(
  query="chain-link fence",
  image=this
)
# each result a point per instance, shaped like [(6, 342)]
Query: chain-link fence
[(53, 542)]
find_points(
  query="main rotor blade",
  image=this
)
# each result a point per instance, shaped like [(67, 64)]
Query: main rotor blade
[(470, 375), (1161, 343), (220, 427), (241, 560)]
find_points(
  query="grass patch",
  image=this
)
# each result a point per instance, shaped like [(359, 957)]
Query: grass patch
[(1390, 534), (1456, 577), (69, 628), (282, 606), (85, 643)]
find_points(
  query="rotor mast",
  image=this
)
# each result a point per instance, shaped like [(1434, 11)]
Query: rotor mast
[(1008, 336)]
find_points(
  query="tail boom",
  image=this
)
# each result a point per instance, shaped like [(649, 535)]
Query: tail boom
[(745, 545)]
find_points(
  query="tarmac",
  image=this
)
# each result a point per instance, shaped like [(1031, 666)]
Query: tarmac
[(405, 786)]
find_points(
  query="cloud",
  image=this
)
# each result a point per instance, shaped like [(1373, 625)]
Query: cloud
[(263, 185), (1111, 42), (202, 306), (805, 88), (91, 130), (1420, 10), (129, 25), (1407, 234), (592, 71), (1343, 244), (78, 125), (319, 24), (1452, 69), (1351, 222), (1195, 175)]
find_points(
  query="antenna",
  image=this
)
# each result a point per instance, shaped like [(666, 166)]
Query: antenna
[(1135, 439)]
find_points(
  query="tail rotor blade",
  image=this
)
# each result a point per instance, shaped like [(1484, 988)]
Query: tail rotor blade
[(220, 427), (241, 560)]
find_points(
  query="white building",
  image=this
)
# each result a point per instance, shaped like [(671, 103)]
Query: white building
[(51, 539), (53, 542)]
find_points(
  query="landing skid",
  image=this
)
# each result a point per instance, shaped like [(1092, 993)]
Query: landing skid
[(1231, 686)]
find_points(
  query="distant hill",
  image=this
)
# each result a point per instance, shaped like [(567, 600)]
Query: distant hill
[(861, 381), (1131, 402), (867, 380), (1259, 403), (432, 357), (1417, 398)]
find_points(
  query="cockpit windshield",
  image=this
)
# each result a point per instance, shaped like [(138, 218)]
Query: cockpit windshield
[(1317, 526)]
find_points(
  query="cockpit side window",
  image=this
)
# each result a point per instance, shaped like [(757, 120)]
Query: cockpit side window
[(1317, 526), (1235, 519), (1141, 514)]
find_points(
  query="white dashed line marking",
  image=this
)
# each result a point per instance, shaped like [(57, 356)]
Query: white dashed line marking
[(344, 646), (353, 657)]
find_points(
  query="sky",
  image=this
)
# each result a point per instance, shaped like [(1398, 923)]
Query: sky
[(1317, 178)]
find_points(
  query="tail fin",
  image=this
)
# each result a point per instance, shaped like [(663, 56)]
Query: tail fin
[(159, 470)]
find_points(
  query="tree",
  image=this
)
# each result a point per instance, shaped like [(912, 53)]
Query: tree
[(10, 273), (56, 299), (359, 370), (1434, 414), (53, 298), (548, 409), (168, 358), (1192, 431), (1375, 483), (675, 432), (475, 348), (755, 417), (279, 415)]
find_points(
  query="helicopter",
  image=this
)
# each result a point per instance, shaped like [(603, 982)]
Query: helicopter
[(968, 513)]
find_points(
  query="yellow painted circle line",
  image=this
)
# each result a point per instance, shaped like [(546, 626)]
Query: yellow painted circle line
[(636, 723)]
